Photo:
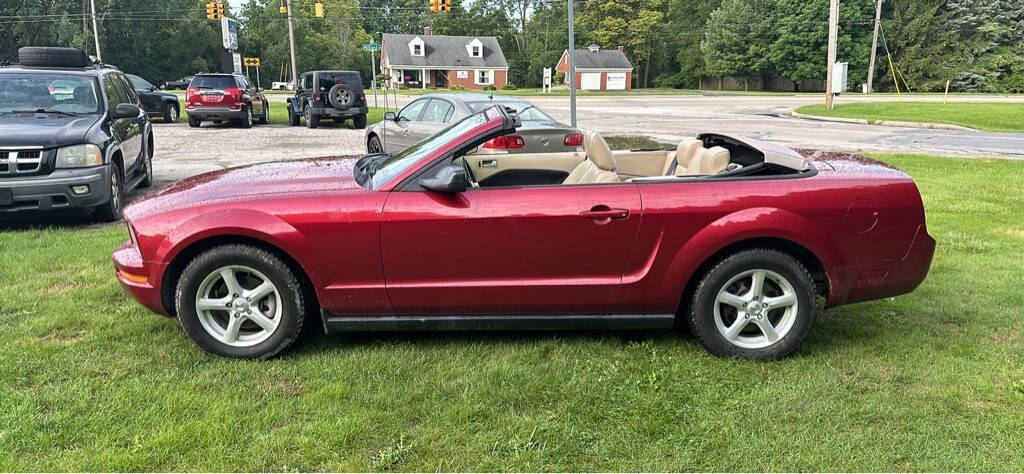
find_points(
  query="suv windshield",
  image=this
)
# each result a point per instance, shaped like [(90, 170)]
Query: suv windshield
[(526, 111), (214, 82), (395, 164), (54, 92)]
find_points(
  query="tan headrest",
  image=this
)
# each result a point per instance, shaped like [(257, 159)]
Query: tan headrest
[(598, 151), (714, 160), (685, 152)]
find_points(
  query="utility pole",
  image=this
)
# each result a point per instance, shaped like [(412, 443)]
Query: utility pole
[(572, 67), (291, 41), (874, 46), (95, 32), (833, 38)]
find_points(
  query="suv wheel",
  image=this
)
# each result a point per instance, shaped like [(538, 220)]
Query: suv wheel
[(171, 113), (293, 118), (111, 211), (247, 120), (359, 121), (754, 304), (341, 96), (312, 120), (240, 301), (265, 118), (194, 123), (148, 180)]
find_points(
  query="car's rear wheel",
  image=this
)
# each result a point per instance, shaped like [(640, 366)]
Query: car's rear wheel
[(373, 145), (240, 301), (312, 120), (147, 181), (194, 123), (359, 121), (171, 113), (246, 121), (111, 210), (755, 304), (265, 118)]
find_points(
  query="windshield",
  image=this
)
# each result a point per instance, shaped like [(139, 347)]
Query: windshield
[(66, 93), (139, 83), (394, 165), (526, 111)]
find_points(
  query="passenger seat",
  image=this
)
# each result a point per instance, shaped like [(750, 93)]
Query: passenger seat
[(599, 167)]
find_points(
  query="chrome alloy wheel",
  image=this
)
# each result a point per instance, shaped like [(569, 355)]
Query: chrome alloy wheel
[(238, 306), (756, 309)]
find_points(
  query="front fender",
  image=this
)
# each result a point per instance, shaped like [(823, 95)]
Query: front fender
[(748, 224), (247, 223)]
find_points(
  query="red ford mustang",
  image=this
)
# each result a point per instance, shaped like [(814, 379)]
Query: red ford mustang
[(736, 238)]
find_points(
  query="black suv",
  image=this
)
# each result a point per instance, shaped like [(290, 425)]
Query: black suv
[(155, 102), (72, 135), (337, 95)]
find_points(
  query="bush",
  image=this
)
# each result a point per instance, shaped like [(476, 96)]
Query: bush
[(458, 88), (490, 88), (558, 78), (510, 87)]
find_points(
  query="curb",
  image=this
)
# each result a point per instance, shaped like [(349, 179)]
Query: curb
[(884, 123)]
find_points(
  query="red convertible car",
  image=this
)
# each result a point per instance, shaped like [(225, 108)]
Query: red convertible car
[(740, 240)]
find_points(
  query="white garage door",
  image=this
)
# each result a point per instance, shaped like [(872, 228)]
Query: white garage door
[(616, 81), (590, 81)]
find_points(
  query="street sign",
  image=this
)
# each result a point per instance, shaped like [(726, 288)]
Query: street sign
[(371, 46), (251, 62), (237, 60), (229, 33)]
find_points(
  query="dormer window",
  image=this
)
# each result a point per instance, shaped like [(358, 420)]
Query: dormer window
[(416, 46), (475, 48)]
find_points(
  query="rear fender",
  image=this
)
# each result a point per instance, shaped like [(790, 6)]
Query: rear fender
[(754, 223)]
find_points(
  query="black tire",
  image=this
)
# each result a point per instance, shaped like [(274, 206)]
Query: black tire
[(147, 181), (341, 96), (111, 210), (293, 118), (702, 318), (291, 295), (373, 145), (265, 118), (246, 122), (194, 123), (52, 57), (312, 120), (171, 112), (359, 121)]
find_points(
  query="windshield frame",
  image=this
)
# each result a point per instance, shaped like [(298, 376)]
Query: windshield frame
[(494, 120), (52, 77)]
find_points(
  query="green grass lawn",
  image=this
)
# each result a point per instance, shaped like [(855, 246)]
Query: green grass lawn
[(931, 381), (989, 116)]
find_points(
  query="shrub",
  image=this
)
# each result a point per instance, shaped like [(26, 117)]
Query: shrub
[(490, 88), (510, 87), (558, 78)]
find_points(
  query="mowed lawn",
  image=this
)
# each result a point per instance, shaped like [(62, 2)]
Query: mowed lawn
[(988, 116), (931, 381)]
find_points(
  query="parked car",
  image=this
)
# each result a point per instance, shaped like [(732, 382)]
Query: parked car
[(180, 84), (735, 238), (335, 95), (225, 97), (155, 102), (424, 116), (83, 150)]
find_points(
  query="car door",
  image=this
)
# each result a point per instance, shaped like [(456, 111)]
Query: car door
[(150, 100), (398, 133), (137, 125), (254, 96), (436, 115), (503, 251), (122, 129), (302, 93)]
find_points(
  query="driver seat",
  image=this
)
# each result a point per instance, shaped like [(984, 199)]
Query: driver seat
[(599, 167)]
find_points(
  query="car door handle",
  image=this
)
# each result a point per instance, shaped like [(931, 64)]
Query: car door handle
[(488, 163), (602, 213)]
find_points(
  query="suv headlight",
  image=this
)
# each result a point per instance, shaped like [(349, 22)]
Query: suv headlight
[(79, 156)]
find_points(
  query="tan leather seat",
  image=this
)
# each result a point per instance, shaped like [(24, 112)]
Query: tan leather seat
[(599, 167), (707, 161), (680, 159)]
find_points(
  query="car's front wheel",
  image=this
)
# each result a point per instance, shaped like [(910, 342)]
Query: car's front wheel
[(755, 304), (373, 145), (293, 118), (111, 210), (240, 301), (265, 118), (171, 113)]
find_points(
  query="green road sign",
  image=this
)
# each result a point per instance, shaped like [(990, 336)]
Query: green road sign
[(371, 46)]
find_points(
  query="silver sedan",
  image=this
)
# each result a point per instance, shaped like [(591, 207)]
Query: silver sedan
[(431, 113)]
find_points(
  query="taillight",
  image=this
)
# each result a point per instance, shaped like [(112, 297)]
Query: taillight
[(234, 92), (506, 142), (316, 96), (362, 96), (573, 139), (191, 93)]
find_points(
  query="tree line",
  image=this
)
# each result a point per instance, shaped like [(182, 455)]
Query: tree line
[(978, 45)]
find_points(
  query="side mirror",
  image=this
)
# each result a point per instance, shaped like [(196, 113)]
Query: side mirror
[(390, 116), (450, 179), (126, 111), (153, 88)]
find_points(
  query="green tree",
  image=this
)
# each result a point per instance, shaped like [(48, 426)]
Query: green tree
[(737, 39), (633, 24), (801, 50)]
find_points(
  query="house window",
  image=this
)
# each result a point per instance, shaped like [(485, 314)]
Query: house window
[(476, 52), (484, 76), (417, 50)]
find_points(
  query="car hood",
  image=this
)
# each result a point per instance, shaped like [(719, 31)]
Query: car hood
[(46, 130), (315, 175)]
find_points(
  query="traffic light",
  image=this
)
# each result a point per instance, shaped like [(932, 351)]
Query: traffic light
[(435, 6), (446, 6), (220, 10), (211, 11), (318, 10)]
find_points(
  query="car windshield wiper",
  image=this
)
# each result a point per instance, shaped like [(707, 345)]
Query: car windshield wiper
[(45, 111)]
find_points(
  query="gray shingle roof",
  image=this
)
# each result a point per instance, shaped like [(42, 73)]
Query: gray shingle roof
[(603, 59), (443, 51)]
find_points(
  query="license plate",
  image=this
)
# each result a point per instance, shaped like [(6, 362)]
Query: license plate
[(212, 98), (6, 197)]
